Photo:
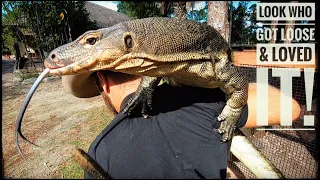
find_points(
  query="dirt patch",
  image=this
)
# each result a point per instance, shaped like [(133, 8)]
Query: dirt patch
[(56, 121)]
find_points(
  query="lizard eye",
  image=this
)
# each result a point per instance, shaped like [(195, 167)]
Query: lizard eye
[(128, 41), (91, 41)]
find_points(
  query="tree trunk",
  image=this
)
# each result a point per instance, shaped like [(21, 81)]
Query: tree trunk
[(18, 57), (273, 35), (16, 48), (180, 10), (230, 23), (190, 5), (164, 8), (41, 58), (290, 24), (218, 17)]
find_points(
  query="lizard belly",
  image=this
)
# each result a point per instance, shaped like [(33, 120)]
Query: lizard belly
[(197, 73)]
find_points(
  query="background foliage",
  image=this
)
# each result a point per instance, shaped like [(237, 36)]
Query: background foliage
[(49, 23)]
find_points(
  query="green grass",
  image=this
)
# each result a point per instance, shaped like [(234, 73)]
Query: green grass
[(30, 75), (70, 170), (99, 119), (27, 75), (76, 143)]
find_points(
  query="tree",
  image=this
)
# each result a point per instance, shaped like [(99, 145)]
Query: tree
[(164, 8), (243, 23), (198, 15), (7, 40), (54, 21), (274, 25), (138, 10), (218, 17), (290, 24), (48, 23), (44, 25), (9, 17), (180, 10)]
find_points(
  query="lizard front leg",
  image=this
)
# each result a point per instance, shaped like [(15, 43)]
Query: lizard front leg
[(235, 85), (143, 96)]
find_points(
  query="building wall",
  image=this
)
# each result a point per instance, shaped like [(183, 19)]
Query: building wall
[(32, 53)]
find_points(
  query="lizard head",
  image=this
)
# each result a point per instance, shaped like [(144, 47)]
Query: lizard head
[(137, 46), (95, 49)]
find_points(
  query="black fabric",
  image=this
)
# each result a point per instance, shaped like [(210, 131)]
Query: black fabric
[(178, 141)]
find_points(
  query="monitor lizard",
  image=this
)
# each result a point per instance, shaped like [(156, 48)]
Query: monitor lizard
[(186, 53)]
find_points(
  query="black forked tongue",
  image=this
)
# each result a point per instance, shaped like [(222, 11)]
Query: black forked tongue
[(23, 109)]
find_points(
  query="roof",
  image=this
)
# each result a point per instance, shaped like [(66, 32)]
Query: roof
[(105, 17)]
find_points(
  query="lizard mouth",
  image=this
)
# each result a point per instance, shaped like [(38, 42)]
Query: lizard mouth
[(49, 63), (58, 68)]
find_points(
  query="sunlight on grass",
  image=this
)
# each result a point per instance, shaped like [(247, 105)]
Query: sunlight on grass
[(70, 170)]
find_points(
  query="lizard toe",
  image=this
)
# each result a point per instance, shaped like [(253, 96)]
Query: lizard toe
[(132, 103), (141, 99), (219, 131), (227, 136), (144, 110), (220, 118), (228, 128)]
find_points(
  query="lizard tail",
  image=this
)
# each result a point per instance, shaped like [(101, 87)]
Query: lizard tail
[(88, 164)]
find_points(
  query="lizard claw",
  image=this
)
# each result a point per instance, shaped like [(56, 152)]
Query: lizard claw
[(226, 129), (228, 135), (141, 98), (228, 124), (220, 118), (219, 131), (131, 105)]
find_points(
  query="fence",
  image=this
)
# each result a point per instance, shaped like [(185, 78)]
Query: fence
[(293, 152)]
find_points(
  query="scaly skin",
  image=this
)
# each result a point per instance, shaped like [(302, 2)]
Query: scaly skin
[(186, 52), (87, 163)]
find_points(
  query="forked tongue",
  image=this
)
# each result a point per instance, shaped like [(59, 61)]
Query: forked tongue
[(23, 109)]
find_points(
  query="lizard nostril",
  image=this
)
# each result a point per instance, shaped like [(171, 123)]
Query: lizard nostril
[(53, 56)]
